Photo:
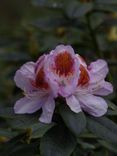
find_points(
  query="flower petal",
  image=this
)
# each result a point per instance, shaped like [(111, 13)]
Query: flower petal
[(47, 110), (64, 79), (62, 47), (93, 105), (40, 62), (23, 76), (73, 103), (81, 60), (98, 71), (27, 105), (105, 89)]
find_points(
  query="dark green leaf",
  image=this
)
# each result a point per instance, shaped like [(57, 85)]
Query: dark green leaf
[(97, 19), (22, 122), (14, 145), (39, 129), (7, 133), (48, 3), (107, 1), (78, 152), (86, 145), (26, 149), (76, 122), (29, 122), (104, 7), (13, 56), (100, 152), (57, 142), (110, 146), (111, 113), (6, 112), (75, 9), (111, 105), (49, 22), (103, 128)]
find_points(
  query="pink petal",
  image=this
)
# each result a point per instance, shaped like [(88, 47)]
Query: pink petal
[(28, 105), (94, 105), (23, 76), (65, 85), (73, 103), (81, 60), (105, 89), (47, 110), (98, 70), (61, 48), (40, 62)]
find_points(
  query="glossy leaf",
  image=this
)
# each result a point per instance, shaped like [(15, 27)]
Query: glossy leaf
[(74, 9), (7, 133), (110, 146), (103, 128), (24, 122), (48, 3), (57, 142), (76, 122), (107, 1)]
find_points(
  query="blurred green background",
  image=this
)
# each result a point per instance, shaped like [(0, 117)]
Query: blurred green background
[(29, 28)]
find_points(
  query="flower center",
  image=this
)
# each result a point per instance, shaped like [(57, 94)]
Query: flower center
[(84, 76), (64, 64), (40, 80)]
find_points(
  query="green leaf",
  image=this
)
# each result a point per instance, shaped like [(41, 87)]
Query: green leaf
[(100, 152), (25, 122), (76, 122), (39, 129), (106, 1), (106, 5), (110, 146), (48, 22), (111, 113), (18, 146), (86, 145), (103, 128), (7, 133), (25, 149), (48, 3), (75, 9), (78, 152), (57, 142), (97, 19), (88, 135), (13, 56), (22, 122), (6, 112), (111, 105)]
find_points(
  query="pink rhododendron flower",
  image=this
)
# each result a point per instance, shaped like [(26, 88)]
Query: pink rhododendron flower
[(62, 73)]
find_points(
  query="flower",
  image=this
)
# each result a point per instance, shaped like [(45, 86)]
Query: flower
[(66, 74), (92, 85), (38, 94)]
